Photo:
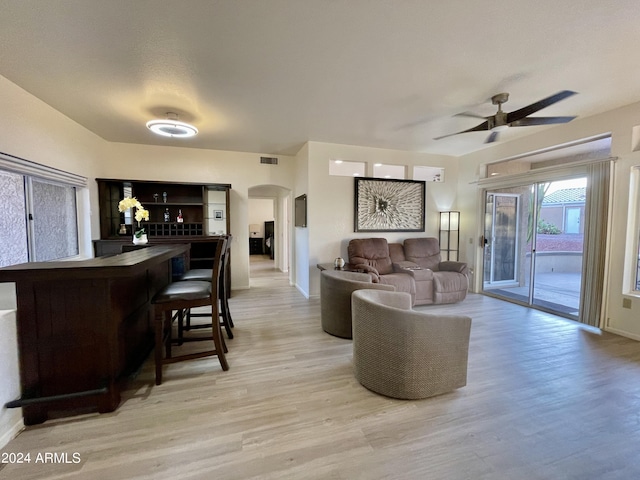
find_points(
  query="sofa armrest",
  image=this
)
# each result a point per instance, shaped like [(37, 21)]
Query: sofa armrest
[(451, 266), (418, 273), (421, 275), (375, 276)]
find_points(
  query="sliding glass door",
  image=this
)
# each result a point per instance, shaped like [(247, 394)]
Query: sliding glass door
[(559, 246), (533, 244)]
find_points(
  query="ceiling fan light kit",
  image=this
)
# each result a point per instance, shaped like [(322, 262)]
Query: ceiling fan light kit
[(518, 118), (172, 127)]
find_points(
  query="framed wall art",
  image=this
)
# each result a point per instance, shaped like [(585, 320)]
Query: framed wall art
[(389, 205)]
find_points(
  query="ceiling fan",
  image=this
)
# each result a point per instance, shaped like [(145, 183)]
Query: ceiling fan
[(518, 118)]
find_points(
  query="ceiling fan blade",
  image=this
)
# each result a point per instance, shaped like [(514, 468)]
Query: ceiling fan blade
[(493, 136), (469, 114), (416, 123), (478, 128), (530, 121), (534, 107)]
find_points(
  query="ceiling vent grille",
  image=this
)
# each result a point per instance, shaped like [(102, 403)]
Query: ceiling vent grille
[(269, 160)]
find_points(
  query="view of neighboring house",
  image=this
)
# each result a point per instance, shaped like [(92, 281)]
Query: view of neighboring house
[(564, 209)]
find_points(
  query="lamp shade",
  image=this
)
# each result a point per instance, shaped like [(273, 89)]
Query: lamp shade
[(449, 220), (449, 236)]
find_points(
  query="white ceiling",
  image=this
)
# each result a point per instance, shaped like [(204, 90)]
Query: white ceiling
[(268, 75)]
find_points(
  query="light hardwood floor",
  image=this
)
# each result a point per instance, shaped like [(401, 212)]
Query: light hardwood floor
[(546, 399)]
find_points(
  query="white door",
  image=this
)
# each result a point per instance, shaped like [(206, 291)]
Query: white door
[(572, 220)]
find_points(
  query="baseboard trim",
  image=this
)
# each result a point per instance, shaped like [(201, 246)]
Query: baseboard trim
[(304, 294), (622, 333), (14, 430)]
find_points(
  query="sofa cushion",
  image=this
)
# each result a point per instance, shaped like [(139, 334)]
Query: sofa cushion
[(396, 252), (423, 251), (402, 282), (373, 252), (423, 279), (445, 282)]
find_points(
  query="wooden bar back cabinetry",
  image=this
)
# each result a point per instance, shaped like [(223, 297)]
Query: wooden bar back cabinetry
[(204, 207), (201, 206)]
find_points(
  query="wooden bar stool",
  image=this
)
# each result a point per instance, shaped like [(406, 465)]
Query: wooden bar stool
[(204, 274), (181, 296)]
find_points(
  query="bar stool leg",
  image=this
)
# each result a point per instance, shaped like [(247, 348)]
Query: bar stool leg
[(168, 324), (223, 295), (181, 327), (158, 316), (221, 348)]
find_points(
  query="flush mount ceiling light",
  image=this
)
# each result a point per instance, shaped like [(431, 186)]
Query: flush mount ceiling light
[(172, 127)]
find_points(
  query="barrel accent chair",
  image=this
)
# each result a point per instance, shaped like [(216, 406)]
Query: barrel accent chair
[(336, 288), (403, 353)]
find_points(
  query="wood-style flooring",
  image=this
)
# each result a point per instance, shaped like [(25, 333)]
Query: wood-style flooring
[(546, 398)]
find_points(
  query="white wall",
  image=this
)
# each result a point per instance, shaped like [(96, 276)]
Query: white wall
[(331, 200), (32, 130), (620, 123), (283, 236), (260, 210), (300, 236)]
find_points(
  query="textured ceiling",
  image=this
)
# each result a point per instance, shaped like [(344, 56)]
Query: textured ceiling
[(268, 75)]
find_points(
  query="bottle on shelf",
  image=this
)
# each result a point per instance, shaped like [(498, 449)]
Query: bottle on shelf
[(167, 215), (179, 219)]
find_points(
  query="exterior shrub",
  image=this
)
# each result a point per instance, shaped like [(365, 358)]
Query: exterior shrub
[(547, 228)]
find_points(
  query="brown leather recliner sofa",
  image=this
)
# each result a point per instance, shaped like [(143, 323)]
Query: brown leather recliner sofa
[(414, 267)]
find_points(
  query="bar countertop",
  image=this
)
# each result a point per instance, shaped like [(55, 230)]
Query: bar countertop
[(120, 265)]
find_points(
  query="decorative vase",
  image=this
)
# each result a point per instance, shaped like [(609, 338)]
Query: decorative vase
[(339, 262), (141, 240)]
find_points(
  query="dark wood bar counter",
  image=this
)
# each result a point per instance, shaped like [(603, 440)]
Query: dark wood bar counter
[(84, 327)]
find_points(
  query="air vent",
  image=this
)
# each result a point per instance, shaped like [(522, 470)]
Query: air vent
[(269, 160)]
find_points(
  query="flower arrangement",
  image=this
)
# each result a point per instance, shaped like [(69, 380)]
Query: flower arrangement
[(140, 214)]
